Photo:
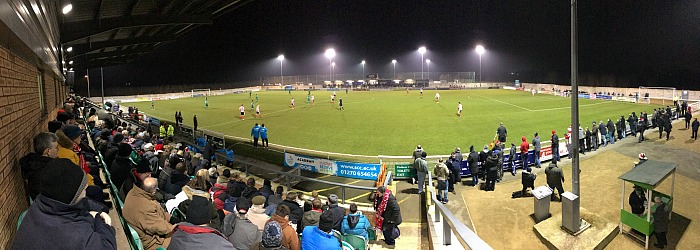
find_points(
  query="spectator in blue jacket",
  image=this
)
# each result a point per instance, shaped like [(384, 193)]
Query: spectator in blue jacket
[(255, 132), (263, 136), (355, 223), (321, 236)]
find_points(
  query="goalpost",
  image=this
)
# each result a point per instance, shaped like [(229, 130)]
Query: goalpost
[(657, 95), (201, 92)]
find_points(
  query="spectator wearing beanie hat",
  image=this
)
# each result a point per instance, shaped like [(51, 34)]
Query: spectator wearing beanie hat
[(241, 232), (321, 236), (338, 211), (271, 237), (59, 203), (195, 233), (256, 213), (66, 146), (122, 165)]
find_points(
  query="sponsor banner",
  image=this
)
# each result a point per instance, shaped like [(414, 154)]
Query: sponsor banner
[(330, 167), (545, 155)]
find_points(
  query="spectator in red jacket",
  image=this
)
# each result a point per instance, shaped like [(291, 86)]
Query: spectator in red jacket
[(524, 147)]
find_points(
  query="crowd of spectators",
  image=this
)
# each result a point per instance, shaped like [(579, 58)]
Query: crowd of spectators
[(173, 198)]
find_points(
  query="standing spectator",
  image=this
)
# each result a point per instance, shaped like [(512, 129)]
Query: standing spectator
[(194, 121), (453, 166), (589, 147), (195, 232), (441, 173), (32, 165), (263, 136), (456, 168), (611, 131), (502, 133), (482, 160), (632, 121), (492, 171), (641, 126), (687, 116), (388, 215), (421, 166), (603, 134), (567, 136), (594, 137), (555, 146), (667, 125), (473, 164), (356, 223), (581, 140), (537, 147), (695, 127), (622, 128), (660, 222), (255, 133), (684, 108), (290, 239), (499, 151), (636, 201), (241, 232), (146, 216), (171, 132), (321, 236), (60, 202), (338, 211), (555, 179), (417, 153), (312, 216), (524, 148)]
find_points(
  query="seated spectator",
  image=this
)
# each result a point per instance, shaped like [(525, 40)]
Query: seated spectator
[(274, 200), (60, 217), (219, 188), (355, 223), (68, 140), (150, 155), (195, 232), (204, 175), (241, 232), (102, 141), (122, 165), (290, 240), (296, 212), (321, 236), (250, 190), (136, 177), (146, 216), (197, 188), (178, 179), (256, 214), (271, 237), (112, 150), (312, 217), (266, 190), (338, 211), (45, 149)]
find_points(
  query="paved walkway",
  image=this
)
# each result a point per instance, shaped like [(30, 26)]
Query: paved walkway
[(506, 223)]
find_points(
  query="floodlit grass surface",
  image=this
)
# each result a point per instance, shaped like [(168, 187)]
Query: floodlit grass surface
[(392, 122)]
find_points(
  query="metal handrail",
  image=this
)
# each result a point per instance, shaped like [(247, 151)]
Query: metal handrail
[(451, 224)]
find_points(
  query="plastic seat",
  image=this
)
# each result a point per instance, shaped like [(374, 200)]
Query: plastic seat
[(346, 246), (21, 217), (356, 241)]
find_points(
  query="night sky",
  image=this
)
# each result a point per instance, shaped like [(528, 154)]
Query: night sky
[(622, 42)]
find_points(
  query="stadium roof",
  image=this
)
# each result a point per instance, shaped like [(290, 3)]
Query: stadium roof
[(114, 32)]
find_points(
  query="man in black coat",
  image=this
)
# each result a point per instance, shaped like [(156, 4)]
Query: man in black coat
[(636, 201), (667, 125), (473, 164), (695, 127), (632, 121), (641, 126), (687, 117), (391, 214), (194, 121), (296, 211), (555, 147), (121, 166), (457, 166), (338, 211)]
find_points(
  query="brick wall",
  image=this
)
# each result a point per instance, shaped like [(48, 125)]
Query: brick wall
[(20, 119)]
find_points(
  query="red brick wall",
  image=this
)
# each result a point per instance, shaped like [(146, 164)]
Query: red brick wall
[(20, 119)]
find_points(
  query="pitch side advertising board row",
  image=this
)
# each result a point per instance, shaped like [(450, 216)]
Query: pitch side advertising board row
[(366, 171)]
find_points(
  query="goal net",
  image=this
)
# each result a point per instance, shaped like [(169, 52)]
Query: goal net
[(657, 95), (201, 92)]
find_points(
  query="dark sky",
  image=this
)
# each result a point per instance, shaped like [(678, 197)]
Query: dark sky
[(623, 42)]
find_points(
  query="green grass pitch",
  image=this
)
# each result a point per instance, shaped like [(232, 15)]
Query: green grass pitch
[(392, 122)]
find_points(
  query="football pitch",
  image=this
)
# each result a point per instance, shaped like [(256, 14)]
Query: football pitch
[(391, 122)]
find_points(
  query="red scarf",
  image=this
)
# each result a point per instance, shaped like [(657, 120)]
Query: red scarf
[(83, 163), (381, 208)]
